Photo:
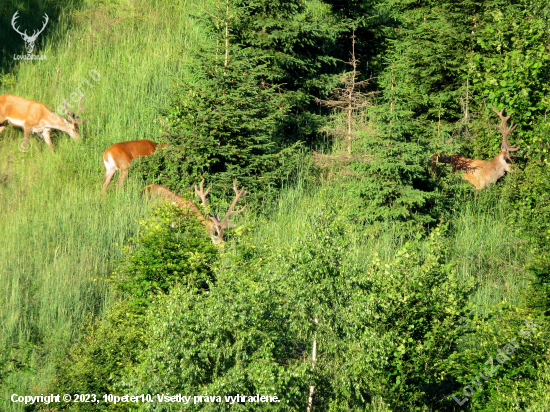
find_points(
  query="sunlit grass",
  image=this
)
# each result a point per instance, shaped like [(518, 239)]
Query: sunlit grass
[(481, 241), (59, 239)]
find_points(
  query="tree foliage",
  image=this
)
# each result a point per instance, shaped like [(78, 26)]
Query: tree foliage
[(253, 332)]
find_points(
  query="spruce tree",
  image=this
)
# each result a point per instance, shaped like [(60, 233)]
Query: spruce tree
[(299, 43), (223, 122)]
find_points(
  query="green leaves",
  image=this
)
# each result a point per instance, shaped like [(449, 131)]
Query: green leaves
[(172, 248), (510, 68)]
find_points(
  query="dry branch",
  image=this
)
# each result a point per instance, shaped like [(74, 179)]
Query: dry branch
[(348, 98)]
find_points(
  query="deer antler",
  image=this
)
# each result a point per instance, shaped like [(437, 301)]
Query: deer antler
[(505, 146), (200, 193), (225, 223), (77, 118), (70, 114), (238, 194), (73, 118)]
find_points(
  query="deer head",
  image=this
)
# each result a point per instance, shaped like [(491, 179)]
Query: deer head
[(29, 40), (216, 226), (74, 120)]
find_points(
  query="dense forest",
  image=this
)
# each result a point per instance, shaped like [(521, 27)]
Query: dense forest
[(343, 206)]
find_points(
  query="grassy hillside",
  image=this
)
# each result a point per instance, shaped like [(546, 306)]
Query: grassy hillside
[(58, 237)]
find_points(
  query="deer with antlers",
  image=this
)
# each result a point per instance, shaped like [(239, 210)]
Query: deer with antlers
[(215, 227), (34, 117), (482, 173)]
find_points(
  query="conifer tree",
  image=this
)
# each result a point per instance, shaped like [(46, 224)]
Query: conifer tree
[(224, 120), (301, 55)]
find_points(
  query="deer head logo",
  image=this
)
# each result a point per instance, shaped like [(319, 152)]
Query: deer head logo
[(29, 40)]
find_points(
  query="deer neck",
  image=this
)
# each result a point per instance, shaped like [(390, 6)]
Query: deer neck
[(503, 160)]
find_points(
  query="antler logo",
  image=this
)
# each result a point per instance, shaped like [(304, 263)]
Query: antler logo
[(29, 40)]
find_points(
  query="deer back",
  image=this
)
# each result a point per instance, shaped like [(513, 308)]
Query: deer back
[(124, 152), (24, 110), (161, 192), (482, 173)]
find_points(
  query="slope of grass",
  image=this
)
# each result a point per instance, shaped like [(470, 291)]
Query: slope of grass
[(59, 239), (482, 242)]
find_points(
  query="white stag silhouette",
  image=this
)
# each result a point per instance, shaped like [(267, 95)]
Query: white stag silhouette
[(29, 40)]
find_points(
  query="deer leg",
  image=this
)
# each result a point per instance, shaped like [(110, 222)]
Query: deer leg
[(3, 124), (26, 135), (107, 180), (47, 138), (110, 170), (123, 174)]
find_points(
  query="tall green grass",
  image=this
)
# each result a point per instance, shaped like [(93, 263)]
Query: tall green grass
[(482, 242), (59, 239), (487, 247)]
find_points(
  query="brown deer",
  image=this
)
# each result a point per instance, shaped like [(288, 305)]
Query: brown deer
[(34, 117), (215, 227), (482, 173), (120, 156)]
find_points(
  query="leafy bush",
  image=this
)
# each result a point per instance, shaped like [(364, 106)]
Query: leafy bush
[(510, 69), (528, 196), (106, 352), (501, 357), (172, 248), (383, 333)]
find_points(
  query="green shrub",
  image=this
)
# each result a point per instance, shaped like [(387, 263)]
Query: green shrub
[(501, 357), (106, 352), (172, 248), (384, 333), (528, 196)]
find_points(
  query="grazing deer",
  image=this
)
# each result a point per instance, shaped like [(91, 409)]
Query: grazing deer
[(34, 117), (120, 156), (481, 173), (215, 227)]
